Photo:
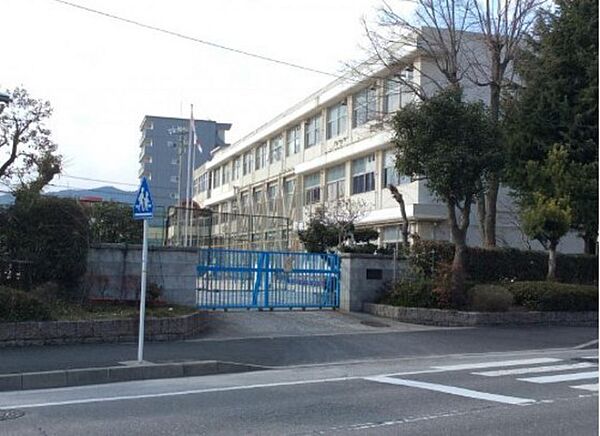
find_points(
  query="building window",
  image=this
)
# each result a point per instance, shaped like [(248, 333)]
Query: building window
[(216, 178), (392, 97), (235, 172), (363, 174), (174, 179), (289, 186), (364, 106), (275, 149), (260, 156), (272, 195), (312, 188), (293, 140), (336, 181), (226, 173), (175, 161), (257, 197), (336, 120), (171, 144), (313, 131), (203, 185), (244, 203), (390, 173), (248, 163), (174, 196)]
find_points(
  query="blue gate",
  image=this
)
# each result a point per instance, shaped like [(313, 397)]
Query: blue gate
[(243, 279)]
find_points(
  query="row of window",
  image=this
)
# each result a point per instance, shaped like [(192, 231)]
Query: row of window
[(364, 109), (362, 180)]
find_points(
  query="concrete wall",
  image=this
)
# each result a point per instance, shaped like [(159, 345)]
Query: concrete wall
[(114, 272), (365, 277)]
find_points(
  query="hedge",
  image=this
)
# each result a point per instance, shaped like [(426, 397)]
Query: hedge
[(550, 296), (17, 305), (505, 264), (411, 294)]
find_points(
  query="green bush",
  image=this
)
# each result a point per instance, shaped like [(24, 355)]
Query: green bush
[(51, 233), (17, 305), (490, 298), (359, 248), (411, 294), (550, 296), (504, 264)]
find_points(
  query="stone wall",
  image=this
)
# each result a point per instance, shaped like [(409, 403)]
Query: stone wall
[(365, 277), (113, 271), (456, 318), (116, 330)]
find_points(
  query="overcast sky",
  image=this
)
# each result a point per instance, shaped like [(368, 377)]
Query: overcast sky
[(102, 76)]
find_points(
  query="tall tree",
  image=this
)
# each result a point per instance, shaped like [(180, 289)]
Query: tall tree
[(28, 158), (451, 143), (502, 26), (559, 104)]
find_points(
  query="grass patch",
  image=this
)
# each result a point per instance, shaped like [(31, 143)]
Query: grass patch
[(65, 311)]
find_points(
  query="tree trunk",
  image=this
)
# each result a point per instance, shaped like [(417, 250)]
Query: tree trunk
[(491, 199), (493, 184), (400, 200), (481, 216), (589, 243), (552, 261), (459, 236)]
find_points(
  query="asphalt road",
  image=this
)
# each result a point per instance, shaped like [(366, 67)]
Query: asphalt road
[(486, 394), (296, 350)]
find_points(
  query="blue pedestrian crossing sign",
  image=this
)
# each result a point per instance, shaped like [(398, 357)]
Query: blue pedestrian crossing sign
[(143, 207)]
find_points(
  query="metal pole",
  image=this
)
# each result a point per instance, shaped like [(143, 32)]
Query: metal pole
[(191, 235), (180, 151), (187, 191), (143, 294)]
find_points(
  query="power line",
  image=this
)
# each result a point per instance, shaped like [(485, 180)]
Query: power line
[(194, 39)]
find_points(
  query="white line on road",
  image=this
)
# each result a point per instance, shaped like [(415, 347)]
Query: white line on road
[(453, 390), (561, 377), (497, 364), (592, 388), (534, 369), (174, 394)]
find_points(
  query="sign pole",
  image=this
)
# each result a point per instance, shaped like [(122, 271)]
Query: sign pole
[(143, 293), (143, 209)]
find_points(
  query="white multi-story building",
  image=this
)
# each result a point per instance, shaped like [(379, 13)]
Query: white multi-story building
[(335, 144)]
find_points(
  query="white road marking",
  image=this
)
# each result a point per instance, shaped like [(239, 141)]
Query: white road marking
[(497, 364), (453, 390), (174, 394), (561, 377), (592, 388), (534, 369)]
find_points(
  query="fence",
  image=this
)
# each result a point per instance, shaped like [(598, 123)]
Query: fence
[(226, 230), (267, 279)]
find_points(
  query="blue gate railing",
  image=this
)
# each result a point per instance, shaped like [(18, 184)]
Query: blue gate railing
[(247, 279)]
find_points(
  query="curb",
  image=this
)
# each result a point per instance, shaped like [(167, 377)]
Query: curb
[(121, 373)]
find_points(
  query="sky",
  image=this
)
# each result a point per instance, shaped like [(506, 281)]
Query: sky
[(102, 76)]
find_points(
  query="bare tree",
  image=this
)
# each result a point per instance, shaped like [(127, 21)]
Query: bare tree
[(343, 214), (400, 200), (502, 26), (434, 32), (28, 156)]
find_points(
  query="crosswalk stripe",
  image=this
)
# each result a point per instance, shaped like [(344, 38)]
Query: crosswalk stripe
[(535, 369), (453, 390), (498, 364), (592, 387), (561, 377)]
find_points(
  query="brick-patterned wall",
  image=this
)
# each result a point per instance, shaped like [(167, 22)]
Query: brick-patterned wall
[(117, 330)]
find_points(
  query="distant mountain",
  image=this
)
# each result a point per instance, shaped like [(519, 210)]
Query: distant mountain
[(104, 193)]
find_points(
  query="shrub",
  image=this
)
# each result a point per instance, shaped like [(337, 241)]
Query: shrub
[(547, 296), (359, 248), (411, 294), (17, 305), (504, 264), (50, 232), (490, 298)]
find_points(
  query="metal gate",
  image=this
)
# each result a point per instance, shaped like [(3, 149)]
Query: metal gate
[(245, 279)]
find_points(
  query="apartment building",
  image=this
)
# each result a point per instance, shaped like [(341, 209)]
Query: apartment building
[(163, 159), (336, 144)]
